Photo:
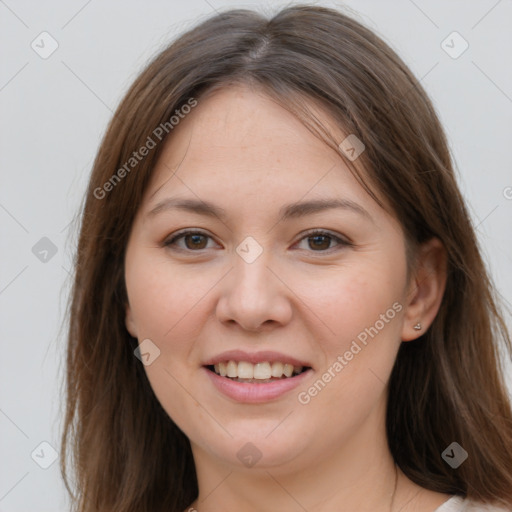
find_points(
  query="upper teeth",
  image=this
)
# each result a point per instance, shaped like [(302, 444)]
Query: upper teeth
[(264, 370)]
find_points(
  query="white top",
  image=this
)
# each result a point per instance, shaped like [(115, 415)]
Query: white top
[(458, 504)]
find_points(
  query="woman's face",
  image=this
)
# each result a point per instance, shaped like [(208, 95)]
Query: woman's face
[(253, 283)]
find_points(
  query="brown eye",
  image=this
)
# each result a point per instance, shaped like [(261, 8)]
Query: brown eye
[(197, 241), (320, 241), (194, 241)]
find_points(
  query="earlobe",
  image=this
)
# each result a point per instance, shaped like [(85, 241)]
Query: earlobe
[(426, 289), (130, 323)]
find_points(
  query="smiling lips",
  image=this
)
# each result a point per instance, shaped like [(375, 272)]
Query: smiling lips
[(255, 377)]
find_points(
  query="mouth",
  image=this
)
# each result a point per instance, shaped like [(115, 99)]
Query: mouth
[(262, 372), (256, 377)]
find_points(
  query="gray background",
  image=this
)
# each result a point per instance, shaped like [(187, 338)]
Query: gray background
[(55, 111)]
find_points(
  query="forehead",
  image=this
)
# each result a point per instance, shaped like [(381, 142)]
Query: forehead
[(239, 142), (242, 121), (240, 131)]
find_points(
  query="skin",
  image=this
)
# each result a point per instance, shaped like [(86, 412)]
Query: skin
[(248, 155)]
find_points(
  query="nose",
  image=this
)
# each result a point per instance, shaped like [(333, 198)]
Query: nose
[(254, 296)]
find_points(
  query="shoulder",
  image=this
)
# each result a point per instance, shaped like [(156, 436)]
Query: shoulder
[(458, 504)]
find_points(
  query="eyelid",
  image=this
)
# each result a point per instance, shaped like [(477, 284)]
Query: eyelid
[(341, 240)]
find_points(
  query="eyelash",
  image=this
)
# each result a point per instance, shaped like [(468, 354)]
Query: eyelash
[(309, 234)]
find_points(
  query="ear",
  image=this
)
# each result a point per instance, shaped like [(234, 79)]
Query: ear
[(130, 322), (426, 289)]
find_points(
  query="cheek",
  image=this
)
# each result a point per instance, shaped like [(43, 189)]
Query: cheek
[(351, 386), (361, 305), (162, 296), (352, 298), (165, 302)]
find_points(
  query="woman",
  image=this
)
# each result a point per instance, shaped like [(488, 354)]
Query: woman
[(279, 300)]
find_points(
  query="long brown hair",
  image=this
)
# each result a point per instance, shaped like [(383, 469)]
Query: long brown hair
[(126, 453)]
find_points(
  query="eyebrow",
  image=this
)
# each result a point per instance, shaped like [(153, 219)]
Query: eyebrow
[(290, 211)]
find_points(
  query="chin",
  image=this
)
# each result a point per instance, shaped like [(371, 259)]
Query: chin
[(259, 450)]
